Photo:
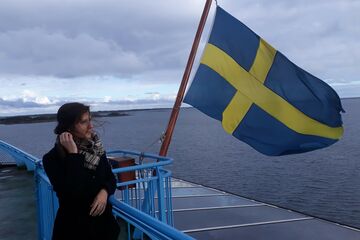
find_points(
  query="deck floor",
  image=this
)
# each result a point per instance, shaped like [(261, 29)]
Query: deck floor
[(206, 213), (18, 220)]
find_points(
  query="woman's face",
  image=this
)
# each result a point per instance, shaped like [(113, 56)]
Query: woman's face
[(83, 129)]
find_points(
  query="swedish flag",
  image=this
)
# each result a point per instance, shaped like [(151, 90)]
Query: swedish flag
[(260, 96)]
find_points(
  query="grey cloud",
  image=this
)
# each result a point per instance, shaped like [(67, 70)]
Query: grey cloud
[(20, 103), (80, 38), (35, 51), (29, 106), (319, 36), (135, 38), (138, 101)]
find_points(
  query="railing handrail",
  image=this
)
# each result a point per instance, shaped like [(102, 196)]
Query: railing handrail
[(131, 152), (21, 158), (18, 150), (142, 166)]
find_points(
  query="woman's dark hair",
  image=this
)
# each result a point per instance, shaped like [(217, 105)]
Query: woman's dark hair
[(68, 115)]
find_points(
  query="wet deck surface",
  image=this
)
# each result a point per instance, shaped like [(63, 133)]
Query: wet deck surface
[(17, 205), (206, 213)]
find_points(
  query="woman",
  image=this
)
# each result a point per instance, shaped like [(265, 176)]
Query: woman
[(81, 177)]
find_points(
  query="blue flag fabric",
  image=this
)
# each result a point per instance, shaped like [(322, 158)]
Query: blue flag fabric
[(260, 96)]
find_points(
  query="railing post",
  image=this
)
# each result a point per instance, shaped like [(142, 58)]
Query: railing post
[(38, 201), (169, 208), (161, 199), (19, 161)]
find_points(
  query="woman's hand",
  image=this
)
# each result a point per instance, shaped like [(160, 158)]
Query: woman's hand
[(67, 141), (99, 204)]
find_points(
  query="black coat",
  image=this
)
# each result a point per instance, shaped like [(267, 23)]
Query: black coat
[(76, 188)]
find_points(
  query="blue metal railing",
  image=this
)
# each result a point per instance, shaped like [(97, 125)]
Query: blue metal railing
[(47, 203), (21, 158), (150, 189), (144, 202), (154, 228)]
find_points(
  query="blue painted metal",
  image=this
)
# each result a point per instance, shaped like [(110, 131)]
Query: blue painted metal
[(47, 203), (161, 201), (22, 158), (149, 186), (154, 228), (128, 203)]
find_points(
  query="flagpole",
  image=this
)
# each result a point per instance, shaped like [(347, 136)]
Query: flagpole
[(175, 111)]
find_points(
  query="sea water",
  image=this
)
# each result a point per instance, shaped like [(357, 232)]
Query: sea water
[(323, 183)]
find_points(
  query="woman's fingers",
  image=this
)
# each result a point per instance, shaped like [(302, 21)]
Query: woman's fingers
[(102, 209), (68, 143), (93, 208), (99, 204), (62, 138), (97, 208)]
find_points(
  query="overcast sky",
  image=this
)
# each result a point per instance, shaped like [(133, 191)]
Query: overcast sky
[(123, 54)]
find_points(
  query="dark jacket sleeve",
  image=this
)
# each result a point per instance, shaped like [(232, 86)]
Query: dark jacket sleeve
[(109, 181), (65, 174)]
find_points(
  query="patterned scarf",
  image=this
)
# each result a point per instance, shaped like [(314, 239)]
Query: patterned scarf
[(92, 150)]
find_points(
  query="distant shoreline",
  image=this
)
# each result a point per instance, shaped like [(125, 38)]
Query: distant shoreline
[(51, 117), (40, 118)]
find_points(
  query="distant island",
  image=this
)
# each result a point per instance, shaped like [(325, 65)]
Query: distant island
[(39, 118)]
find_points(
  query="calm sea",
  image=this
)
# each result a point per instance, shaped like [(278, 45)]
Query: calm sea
[(324, 183)]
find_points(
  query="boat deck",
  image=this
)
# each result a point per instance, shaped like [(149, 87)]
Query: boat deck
[(206, 213), (201, 212), (18, 219)]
